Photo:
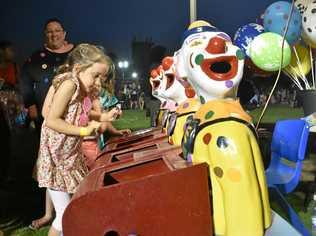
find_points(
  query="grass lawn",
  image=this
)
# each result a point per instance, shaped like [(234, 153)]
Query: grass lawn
[(133, 120), (277, 112), (25, 231), (136, 120)]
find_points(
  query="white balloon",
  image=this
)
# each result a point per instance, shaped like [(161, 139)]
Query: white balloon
[(302, 5), (309, 24)]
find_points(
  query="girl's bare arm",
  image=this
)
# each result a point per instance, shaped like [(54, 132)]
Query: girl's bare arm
[(58, 107), (48, 100)]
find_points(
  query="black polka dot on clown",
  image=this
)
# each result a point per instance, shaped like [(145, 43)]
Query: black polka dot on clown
[(222, 142)]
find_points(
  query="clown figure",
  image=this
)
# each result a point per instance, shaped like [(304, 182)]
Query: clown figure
[(181, 93), (166, 105), (221, 133)]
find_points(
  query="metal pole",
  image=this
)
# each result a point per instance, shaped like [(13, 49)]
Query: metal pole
[(192, 11)]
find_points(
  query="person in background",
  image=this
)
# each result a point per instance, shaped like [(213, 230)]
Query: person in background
[(60, 164), (36, 77), (9, 71), (133, 99), (4, 146), (141, 101), (125, 94), (10, 97), (10, 103), (39, 69)]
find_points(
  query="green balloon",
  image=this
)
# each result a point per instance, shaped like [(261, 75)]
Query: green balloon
[(266, 50)]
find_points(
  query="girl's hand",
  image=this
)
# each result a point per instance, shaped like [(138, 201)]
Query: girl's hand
[(125, 132), (119, 113), (93, 127), (110, 115), (103, 127)]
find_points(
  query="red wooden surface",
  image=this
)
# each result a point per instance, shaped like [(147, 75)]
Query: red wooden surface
[(149, 196)]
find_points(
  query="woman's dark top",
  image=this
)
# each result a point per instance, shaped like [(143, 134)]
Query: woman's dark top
[(37, 74)]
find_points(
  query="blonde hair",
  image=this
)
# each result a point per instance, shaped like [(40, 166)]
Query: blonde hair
[(109, 84), (84, 55)]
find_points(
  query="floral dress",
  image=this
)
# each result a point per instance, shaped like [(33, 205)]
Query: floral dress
[(60, 164)]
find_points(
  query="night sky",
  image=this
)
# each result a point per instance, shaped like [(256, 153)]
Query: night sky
[(114, 23)]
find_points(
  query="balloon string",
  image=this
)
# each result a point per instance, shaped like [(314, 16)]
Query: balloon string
[(291, 72), (312, 65), (280, 67), (294, 78), (302, 75)]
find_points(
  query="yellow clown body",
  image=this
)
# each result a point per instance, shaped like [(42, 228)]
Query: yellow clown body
[(187, 108), (229, 146), (160, 116), (221, 133)]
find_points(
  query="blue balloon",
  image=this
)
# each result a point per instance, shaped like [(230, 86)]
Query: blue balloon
[(245, 34), (276, 17)]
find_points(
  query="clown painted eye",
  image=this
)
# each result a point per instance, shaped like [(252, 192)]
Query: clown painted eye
[(170, 80), (156, 84), (167, 63), (216, 45)]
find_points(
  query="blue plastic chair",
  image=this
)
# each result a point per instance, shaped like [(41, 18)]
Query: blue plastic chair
[(288, 148)]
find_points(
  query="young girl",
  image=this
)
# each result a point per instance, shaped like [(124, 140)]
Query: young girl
[(106, 99), (60, 166)]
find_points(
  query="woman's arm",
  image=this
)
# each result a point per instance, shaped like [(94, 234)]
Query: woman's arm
[(26, 88)]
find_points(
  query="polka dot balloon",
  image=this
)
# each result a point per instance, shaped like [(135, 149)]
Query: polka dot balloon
[(301, 5), (276, 17), (309, 24), (245, 34)]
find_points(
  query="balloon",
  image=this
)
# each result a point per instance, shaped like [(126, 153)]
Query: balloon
[(304, 59), (266, 50), (245, 35), (308, 23), (276, 17), (302, 5)]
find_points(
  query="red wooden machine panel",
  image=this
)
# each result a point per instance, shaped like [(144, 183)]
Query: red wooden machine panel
[(150, 196), (140, 151)]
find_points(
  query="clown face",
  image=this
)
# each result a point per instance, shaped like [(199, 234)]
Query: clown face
[(155, 82), (171, 88), (157, 88), (211, 63)]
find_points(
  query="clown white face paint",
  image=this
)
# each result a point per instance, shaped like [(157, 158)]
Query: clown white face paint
[(171, 88), (155, 82), (156, 85), (211, 63)]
